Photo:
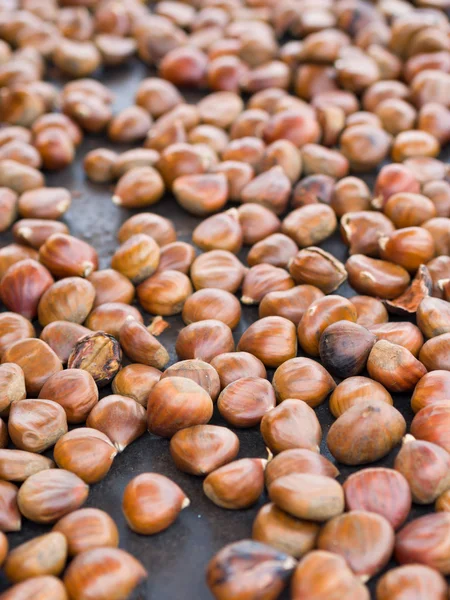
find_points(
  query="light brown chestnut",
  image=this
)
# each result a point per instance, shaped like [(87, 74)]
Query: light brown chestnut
[(365, 432), (12, 385), (270, 189), (198, 371), (111, 286), (244, 402), (10, 518), (257, 223), (310, 224), (357, 389), (374, 277), (42, 555), (211, 303), (360, 231), (431, 424), (204, 340), (276, 250), (433, 317), (136, 381), (120, 418), (70, 299), (139, 187), (219, 232), (44, 203), (23, 285), (14, 327), (35, 425), (62, 336), (232, 366), (298, 460), (290, 304), (394, 366), (176, 256), (371, 311), (408, 247), (303, 379), (137, 258), (434, 354), (141, 346), (217, 269), (164, 293), (200, 194), (236, 485), (110, 317), (87, 528), (152, 502), (67, 256), (262, 279), (418, 580), (18, 465), (272, 339), (201, 449), (402, 333), (37, 588), (159, 228), (432, 387), (316, 267)]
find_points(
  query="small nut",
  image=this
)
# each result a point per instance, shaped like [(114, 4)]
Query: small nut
[(18, 465), (165, 292), (35, 425), (23, 285), (316, 267), (244, 402), (35, 232), (70, 299), (219, 232), (110, 317), (432, 387), (111, 286), (276, 249), (402, 333), (353, 390), (303, 379), (62, 336), (159, 228), (212, 303), (99, 354), (141, 346), (345, 347), (10, 518), (370, 311), (374, 277), (13, 328), (44, 203), (298, 460), (12, 385), (411, 579), (394, 366), (431, 424), (434, 354), (198, 371), (232, 366), (88, 528), (43, 555), (236, 485), (204, 340), (136, 381), (137, 258), (218, 269), (272, 339), (310, 224), (263, 279), (67, 256)]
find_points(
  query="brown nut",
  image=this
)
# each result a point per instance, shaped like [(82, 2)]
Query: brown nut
[(152, 502), (175, 403), (411, 579), (310, 224), (365, 539), (198, 371), (157, 227), (354, 390), (313, 189), (318, 316), (405, 209), (86, 452), (408, 302), (10, 518), (232, 366), (236, 485), (70, 299), (18, 465), (365, 432), (136, 381), (137, 157), (77, 59), (370, 311), (402, 333), (19, 177), (35, 232), (248, 569), (442, 503), (37, 360), (56, 148), (394, 366), (140, 345), (306, 496), (439, 193), (67, 256), (290, 304), (62, 336), (112, 570), (111, 286), (434, 353), (176, 256), (272, 339), (201, 449), (360, 231), (432, 387), (318, 159), (120, 418), (201, 194), (271, 189), (137, 258), (35, 425), (43, 555), (237, 174), (23, 285), (292, 424), (157, 96), (110, 317), (365, 146), (219, 232), (440, 231), (44, 203), (74, 390), (433, 317), (99, 165), (37, 588), (244, 402), (379, 490), (129, 125), (350, 194), (320, 573), (303, 379), (8, 207), (316, 267), (257, 223), (298, 460), (374, 277), (139, 187), (426, 541), (99, 354), (276, 249), (12, 385), (204, 340), (414, 143), (212, 303), (218, 269), (431, 424), (425, 466), (345, 347), (262, 279), (48, 495), (87, 528), (393, 179), (164, 293)]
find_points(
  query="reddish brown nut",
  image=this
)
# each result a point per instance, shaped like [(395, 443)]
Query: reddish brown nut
[(152, 502), (74, 390), (262, 279), (13, 328), (198, 371), (350, 194), (370, 311), (415, 579), (99, 165), (67, 256), (137, 258), (165, 292), (432, 387), (18, 465), (48, 495), (272, 339), (44, 586), (408, 302), (19, 178), (218, 269), (176, 256), (137, 157), (219, 232), (157, 227), (276, 249), (435, 353), (70, 299), (431, 424), (425, 541), (310, 224), (204, 340), (401, 333), (237, 485), (232, 366), (365, 539), (44, 203), (318, 159), (98, 353), (292, 424), (316, 267), (88, 528), (303, 379), (257, 223), (376, 277), (442, 503), (62, 336), (345, 347), (8, 208), (394, 366), (201, 449), (120, 418), (354, 390), (110, 317), (56, 148), (10, 518), (111, 286), (360, 231), (212, 303), (313, 189), (201, 194), (290, 304), (393, 179), (270, 189), (136, 381), (251, 568), (129, 125), (409, 210), (35, 425), (365, 432), (414, 143), (35, 232), (433, 317), (175, 403), (244, 402), (23, 285), (139, 187), (140, 345), (298, 460), (364, 146)]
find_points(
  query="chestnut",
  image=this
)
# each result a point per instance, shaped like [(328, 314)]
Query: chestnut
[(257, 223), (212, 303), (35, 425), (70, 299), (98, 353), (298, 460), (272, 339), (370, 310), (394, 366), (303, 379), (136, 381), (434, 354), (310, 224), (316, 267), (244, 402), (360, 231), (62, 336), (432, 387), (236, 485), (431, 424), (111, 286), (402, 333), (270, 189), (433, 317), (176, 256), (419, 580), (374, 277), (199, 371), (23, 285), (217, 269), (164, 293), (290, 304), (262, 279), (409, 247), (140, 345), (354, 390), (232, 366), (88, 528), (345, 347), (159, 228), (137, 258), (110, 317), (219, 232), (204, 340), (276, 249)]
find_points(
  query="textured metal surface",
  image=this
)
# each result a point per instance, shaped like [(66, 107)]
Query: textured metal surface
[(176, 558)]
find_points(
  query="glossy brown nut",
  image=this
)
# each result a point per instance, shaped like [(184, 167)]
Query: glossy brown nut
[(293, 125), (137, 258), (70, 299), (176, 256), (18, 177), (201, 449), (159, 228), (43, 555), (290, 304), (306, 496), (262, 279), (257, 223), (35, 425), (432, 387), (318, 159), (318, 316), (220, 109), (212, 303), (136, 381), (316, 267), (204, 340), (401, 333), (35, 232), (23, 285), (434, 353), (10, 518), (111, 316), (354, 390), (320, 573), (184, 66), (393, 179), (232, 366), (62, 336), (8, 206), (414, 143), (111, 286), (394, 366), (98, 353), (439, 228), (370, 311), (379, 490), (310, 224), (272, 339), (37, 588), (152, 502), (292, 424), (18, 465), (361, 230), (67, 256), (165, 292), (431, 423), (74, 390), (219, 232), (88, 528), (217, 269), (248, 569), (365, 539), (345, 347), (439, 193), (313, 189), (48, 495), (157, 96), (374, 277), (99, 165), (86, 452), (175, 403), (112, 570), (77, 59), (283, 153), (364, 146), (44, 203), (236, 485), (425, 541), (365, 432), (408, 302), (201, 194), (139, 187), (414, 579), (198, 371), (37, 360), (298, 460), (243, 403), (396, 115), (350, 194), (433, 317), (56, 148), (270, 189), (409, 210), (129, 125)]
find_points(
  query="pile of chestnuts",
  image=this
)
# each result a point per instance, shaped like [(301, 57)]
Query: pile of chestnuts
[(296, 99)]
